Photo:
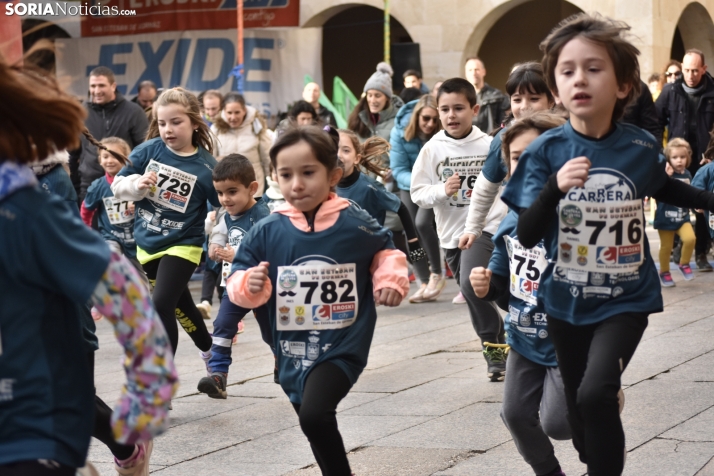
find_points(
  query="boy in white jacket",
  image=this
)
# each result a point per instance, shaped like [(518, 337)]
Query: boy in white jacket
[(443, 178)]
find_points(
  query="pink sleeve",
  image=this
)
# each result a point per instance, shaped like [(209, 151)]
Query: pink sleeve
[(87, 215), (237, 289), (389, 270)]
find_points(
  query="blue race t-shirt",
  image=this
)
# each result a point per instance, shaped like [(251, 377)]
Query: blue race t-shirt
[(604, 266), (322, 284), (669, 217), (494, 170), (50, 263), (526, 324), (371, 195), (238, 226), (116, 220), (704, 179), (173, 213)]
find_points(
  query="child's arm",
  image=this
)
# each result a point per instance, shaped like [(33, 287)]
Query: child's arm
[(390, 277), (680, 194), (416, 252), (133, 187), (426, 189), (87, 215), (488, 285), (250, 288), (482, 198)]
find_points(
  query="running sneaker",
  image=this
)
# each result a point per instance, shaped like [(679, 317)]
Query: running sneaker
[(137, 465), (496, 356), (418, 296), (434, 287), (206, 356), (204, 307), (686, 272), (459, 299), (666, 279), (703, 263), (214, 385)]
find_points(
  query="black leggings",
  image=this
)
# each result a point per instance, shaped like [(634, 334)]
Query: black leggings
[(35, 468), (173, 301), (591, 359), (102, 422), (325, 387)]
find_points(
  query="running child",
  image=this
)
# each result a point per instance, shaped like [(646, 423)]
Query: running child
[(320, 264), (533, 395), (671, 220), (235, 184), (169, 179), (369, 194), (443, 178), (704, 178), (579, 188)]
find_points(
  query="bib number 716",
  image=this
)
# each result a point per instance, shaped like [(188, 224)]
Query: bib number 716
[(634, 230)]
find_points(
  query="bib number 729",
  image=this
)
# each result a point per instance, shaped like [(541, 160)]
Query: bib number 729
[(634, 230), (328, 291)]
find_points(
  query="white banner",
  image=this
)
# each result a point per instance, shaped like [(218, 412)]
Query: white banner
[(276, 62)]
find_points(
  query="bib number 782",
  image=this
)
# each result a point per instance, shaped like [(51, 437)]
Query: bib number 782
[(328, 291), (634, 230)]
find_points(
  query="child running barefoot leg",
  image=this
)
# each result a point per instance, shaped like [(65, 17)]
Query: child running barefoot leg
[(601, 283), (169, 179), (533, 396), (320, 264)]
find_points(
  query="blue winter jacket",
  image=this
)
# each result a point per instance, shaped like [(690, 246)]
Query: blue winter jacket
[(403, 153)]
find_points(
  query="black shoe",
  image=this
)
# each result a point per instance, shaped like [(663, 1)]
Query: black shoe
[(496, 355), (703, 264), (214, 385), (677, 253)]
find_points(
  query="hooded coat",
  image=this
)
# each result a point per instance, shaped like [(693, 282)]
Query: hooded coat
[(403, 153)]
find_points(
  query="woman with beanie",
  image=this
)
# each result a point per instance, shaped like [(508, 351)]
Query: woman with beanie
[(416, 123), (241, 130), (375, 112)]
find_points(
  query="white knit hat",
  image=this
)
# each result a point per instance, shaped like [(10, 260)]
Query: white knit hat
[(381, 80)]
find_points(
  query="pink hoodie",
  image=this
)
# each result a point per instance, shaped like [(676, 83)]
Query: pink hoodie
[(389, 267)]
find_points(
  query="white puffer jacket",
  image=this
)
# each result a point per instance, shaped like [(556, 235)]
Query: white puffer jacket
[(251, 139)]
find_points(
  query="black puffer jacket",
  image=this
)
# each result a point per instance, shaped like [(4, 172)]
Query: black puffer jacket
[(494, 105), (118, 118), (673, 111)]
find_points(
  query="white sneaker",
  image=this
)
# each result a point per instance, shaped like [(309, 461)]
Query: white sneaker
[(459, 299), (205, 309), (418, 296), (140, 467), (434, 288)]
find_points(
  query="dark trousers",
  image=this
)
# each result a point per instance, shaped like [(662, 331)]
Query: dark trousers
[(423, 219), (225, 328), (701, 231), (325, 387), (35, 468), (591, 359), (211, 281), (173, 301)]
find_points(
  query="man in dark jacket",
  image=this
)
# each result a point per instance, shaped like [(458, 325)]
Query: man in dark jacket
[(642, 113), (311, 93), (108, 115), (493, 104), (686, 107)]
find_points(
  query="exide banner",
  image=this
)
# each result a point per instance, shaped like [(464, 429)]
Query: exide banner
[(154, 16)]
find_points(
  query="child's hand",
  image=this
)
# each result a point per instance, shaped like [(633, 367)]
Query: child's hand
[(388, 297), (466, 240), (226, 254), (257, 278), (452, 185), (212, 215), (668, 168), (573, 174), (147, 180), (480, 280), (212, 249)]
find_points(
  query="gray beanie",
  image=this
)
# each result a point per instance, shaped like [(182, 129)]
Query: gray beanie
[(381, 80)]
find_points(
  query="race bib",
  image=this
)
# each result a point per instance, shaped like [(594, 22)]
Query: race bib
[(316, 297), (711, 220), (526, 267), (468, 170), (174, 187), (603, 237), (225, 272), (118, 212)]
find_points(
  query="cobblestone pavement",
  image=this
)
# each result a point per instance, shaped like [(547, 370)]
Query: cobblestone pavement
[(424, 405)]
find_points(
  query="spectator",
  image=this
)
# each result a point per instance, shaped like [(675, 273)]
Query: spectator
[(642, 113), (654, 82), (435, 89), (685, 106), (311, 94), (239, 129), (301, 114), (108, 114), (411, 94), (493, 103), (672, 72), (374, 114), (146, 95), (212, 100), (412, 79)]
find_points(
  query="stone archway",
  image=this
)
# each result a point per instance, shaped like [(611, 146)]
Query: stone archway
[(695, 29), (493, 40)]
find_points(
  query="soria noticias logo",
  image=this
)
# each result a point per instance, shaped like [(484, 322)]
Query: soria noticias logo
[(64, 9)]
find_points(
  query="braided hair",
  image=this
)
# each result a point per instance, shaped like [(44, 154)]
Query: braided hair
[(101, 145)]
